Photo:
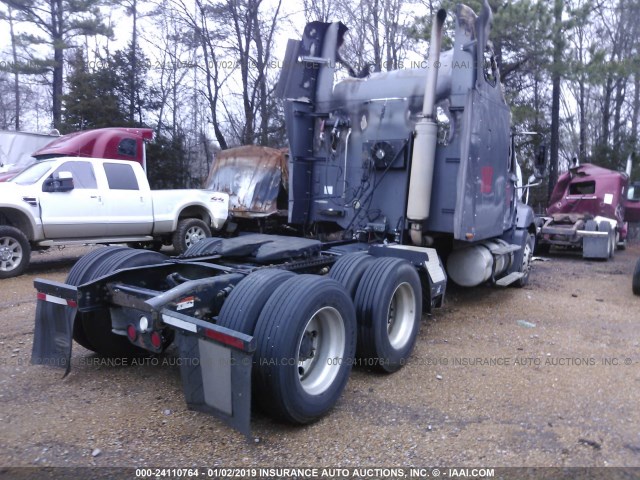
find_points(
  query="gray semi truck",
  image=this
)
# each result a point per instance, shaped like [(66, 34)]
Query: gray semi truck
[(397, 183)]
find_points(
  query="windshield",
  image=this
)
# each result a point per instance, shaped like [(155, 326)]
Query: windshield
[(634, 192), (33, 173)]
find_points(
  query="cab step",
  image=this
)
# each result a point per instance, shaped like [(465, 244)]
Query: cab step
[(509, 279)]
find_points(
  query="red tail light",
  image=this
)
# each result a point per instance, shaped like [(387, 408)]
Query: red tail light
[(156, 340), (132, 333)]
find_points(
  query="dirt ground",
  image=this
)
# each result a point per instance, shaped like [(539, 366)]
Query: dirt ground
[(547, 375)]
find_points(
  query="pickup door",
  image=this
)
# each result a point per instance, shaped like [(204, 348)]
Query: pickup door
[(77, 213), (128, 201)]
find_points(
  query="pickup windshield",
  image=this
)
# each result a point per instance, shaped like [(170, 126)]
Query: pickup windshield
[(33, 173)]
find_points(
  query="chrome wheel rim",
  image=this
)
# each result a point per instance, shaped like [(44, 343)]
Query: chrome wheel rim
[(320, 350), (194, 235), (401, 315), (526, 259), (10, 254)]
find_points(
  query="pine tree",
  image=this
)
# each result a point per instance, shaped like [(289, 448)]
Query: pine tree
[(94, 98), (58, 22)]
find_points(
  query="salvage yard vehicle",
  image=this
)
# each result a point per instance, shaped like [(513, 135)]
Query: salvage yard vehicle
[(72, 200), (588, 210), (17, 148), (256, 180), (117, 143), (281, 320)]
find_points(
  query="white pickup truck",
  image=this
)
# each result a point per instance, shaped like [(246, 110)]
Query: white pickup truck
[(72, 200)]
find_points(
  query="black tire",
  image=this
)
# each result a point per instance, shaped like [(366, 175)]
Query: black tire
[(82, 272), (635, 284), (97, 325), (525, 267), (15, 252), (189, 232), (305, 314), (542, 248), (242, 308), (348, 270), (389, 286), (205, 247)]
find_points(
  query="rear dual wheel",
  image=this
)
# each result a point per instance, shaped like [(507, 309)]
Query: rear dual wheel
[(305, 328), (306, 340), (388, 298), (389, 309), (93, 330)]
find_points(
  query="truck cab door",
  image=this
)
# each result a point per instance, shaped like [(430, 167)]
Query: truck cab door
[(128, 202), (70, 204)]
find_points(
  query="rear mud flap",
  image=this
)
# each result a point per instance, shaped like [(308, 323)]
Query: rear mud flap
[(55, 313), (216, 378)]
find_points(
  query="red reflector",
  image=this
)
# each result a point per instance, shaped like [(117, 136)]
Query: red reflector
[(487, 179), (132, 333), (156, 340), (224, 338), (52, 299)]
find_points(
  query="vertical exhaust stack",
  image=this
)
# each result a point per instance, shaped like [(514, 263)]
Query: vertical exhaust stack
[(629, 166), (426, 136)]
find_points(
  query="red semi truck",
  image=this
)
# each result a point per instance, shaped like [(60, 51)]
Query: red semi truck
[(589, 209), (23, 149)]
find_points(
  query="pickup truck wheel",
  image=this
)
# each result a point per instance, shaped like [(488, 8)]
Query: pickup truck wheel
[(15, 252), (635, 284), (97, 325), (190, 231), (389, 309), (306, 338), (82, 272), (348, 270), (525, 267), (242, 308)]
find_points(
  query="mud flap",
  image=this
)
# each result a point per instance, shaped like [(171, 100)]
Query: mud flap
[(55, 313), (215, 366)]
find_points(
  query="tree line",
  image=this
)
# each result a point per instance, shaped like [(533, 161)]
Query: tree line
[(202, 72)]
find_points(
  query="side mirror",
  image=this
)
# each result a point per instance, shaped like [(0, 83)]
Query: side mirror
[(58, 182), (540, 164)]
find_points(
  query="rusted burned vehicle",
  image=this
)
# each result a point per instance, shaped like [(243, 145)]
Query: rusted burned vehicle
[(256, 180), (588, 210)]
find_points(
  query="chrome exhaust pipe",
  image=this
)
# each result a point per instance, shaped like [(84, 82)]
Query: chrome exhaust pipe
[(426, 137)]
